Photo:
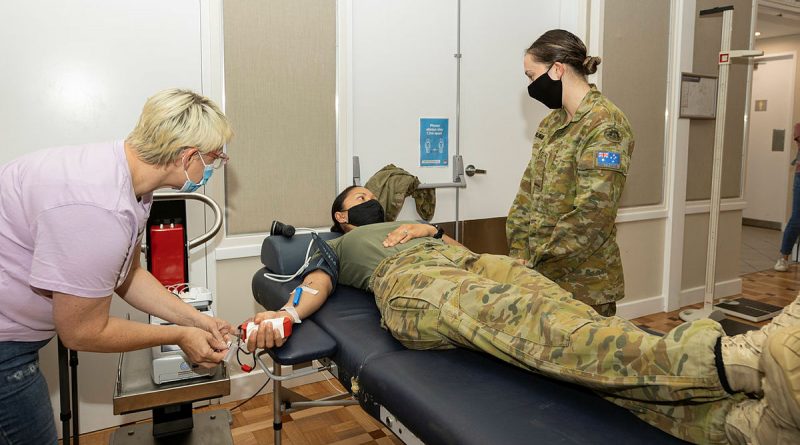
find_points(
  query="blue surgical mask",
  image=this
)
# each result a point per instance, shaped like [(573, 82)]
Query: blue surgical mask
[(190, 186)]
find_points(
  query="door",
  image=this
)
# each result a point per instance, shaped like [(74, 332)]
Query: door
[(770, 148), (404, 68), (498, 117)]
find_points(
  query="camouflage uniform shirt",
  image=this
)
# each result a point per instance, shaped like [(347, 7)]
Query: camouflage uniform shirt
[(361, 250), (562, 219)]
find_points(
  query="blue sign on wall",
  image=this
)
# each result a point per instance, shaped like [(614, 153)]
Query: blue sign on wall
[(433, 142)]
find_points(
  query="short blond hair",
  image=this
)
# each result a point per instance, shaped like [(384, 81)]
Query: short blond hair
[(173, 120)]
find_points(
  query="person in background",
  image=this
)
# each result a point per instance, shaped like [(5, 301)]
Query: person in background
[(562, 220), (792, 230), (71, 225)]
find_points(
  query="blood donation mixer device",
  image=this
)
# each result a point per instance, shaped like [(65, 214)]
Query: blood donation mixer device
[(167, 253)]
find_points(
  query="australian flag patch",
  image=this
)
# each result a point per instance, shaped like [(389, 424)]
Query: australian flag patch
[(608, 159)]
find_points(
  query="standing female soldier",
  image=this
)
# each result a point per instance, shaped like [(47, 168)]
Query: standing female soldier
[(562, 220)]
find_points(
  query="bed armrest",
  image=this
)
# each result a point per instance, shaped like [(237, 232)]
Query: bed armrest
[(284, 256), (307, 342)]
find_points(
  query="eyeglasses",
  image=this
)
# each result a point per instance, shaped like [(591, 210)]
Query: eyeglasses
[(218, 159)]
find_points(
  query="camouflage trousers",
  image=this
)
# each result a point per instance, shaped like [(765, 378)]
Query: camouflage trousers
[(439, 297)]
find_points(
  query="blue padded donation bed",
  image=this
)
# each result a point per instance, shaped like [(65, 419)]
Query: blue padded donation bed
[(435, 397)]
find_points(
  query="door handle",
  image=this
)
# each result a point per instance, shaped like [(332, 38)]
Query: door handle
[(472, 171)]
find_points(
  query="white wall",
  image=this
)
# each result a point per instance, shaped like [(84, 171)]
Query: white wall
[(80, 71), (77, 72)]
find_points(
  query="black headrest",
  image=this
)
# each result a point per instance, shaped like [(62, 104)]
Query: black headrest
[(283, 255)]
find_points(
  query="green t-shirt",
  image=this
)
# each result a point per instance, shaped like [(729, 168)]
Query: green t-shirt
[(361, 250)]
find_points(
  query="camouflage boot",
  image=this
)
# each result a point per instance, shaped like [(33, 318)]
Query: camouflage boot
[(753, 422), (775, 419), (741, 353)]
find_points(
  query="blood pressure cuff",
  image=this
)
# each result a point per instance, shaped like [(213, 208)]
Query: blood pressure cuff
[(325, 260)]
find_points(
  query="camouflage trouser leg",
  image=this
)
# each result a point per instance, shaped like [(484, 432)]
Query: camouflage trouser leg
[(438, 297)]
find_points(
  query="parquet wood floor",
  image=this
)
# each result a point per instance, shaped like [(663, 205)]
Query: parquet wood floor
[(252, 423)]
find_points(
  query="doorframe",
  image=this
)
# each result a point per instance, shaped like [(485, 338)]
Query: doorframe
[(681, 56), (212, 71)]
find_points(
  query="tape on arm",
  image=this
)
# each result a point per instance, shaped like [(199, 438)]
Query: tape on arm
[(292, 313)]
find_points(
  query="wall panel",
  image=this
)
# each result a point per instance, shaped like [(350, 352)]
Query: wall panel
[(280, 94), (635, 56)]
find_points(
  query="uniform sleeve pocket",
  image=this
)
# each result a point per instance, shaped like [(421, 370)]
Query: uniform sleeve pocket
[(605, 158)]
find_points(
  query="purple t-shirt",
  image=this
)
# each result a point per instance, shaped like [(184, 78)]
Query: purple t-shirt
[(70, 223)]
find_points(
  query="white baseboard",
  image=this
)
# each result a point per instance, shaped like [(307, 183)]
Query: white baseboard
[(722, 289), (653, 305), (639, 308)]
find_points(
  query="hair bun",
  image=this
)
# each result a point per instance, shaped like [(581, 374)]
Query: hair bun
[(590, 64)]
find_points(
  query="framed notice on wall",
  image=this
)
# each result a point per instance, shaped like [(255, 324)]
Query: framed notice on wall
[(698, 96)]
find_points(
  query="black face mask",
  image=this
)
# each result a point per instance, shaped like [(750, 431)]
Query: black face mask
[(366, 213), (546, 90)]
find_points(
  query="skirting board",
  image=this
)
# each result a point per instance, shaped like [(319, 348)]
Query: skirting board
[(774, 225), (721, 290), (653, 305), (640, 308)]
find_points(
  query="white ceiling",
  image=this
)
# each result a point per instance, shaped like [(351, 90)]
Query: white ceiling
[(778, 18)]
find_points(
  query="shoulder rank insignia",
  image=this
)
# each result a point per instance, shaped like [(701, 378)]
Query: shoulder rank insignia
[(539, 135), (608, 159), (613, 135)]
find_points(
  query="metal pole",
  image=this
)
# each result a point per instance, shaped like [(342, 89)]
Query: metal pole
[(716, 176), (73, 373), (457, 55), (276, 402), (63, 388), (725, 56)]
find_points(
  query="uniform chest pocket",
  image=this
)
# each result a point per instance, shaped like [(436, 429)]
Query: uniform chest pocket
[(538, 162), (558, 178)]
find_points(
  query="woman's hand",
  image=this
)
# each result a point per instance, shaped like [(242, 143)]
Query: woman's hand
[(201, 347), (217, 327), (407, 232)]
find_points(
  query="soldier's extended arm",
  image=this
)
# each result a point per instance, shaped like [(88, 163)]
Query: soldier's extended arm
[(317, 280), (310, 303), (579, 233), (519, 219)]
